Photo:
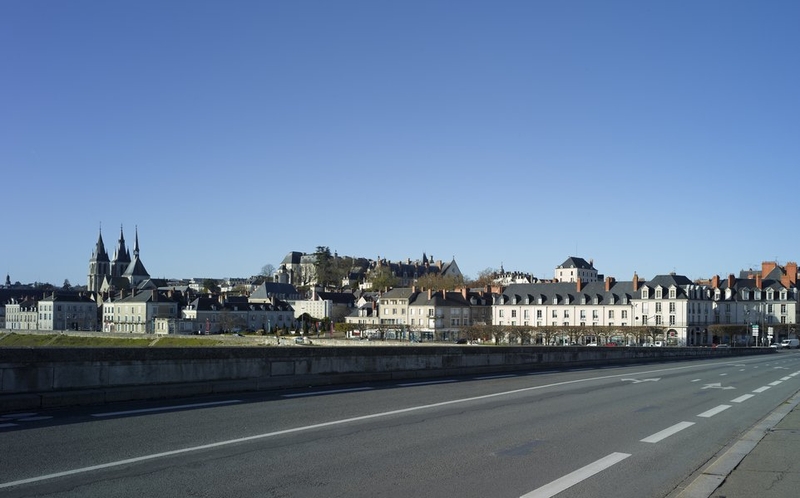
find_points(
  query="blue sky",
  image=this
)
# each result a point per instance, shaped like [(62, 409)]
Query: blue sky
[(648, 137)]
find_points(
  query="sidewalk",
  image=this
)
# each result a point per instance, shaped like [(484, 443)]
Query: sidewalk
[(765, 463)]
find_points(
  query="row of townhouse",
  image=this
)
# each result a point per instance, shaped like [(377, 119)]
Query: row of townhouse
[(414, 314), (761, 306), (56, 311)]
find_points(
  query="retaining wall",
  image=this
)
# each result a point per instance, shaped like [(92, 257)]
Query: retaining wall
[(43, 377)]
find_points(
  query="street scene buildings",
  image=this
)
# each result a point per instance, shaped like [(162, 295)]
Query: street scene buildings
[(427, 300)]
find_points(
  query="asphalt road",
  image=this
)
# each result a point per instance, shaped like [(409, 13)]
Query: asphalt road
[(636, 431)]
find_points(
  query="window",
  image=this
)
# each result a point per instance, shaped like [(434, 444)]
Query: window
[(513, 313), (595, 315), (555, 315), (672, 307), (526, 314), (658, 307), (672, 293), (624, 314), (658, 294), (538, 313), (500, 313), (610, 315)]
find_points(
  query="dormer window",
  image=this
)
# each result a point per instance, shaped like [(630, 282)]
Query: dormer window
[(770, 295), (745, 294), (645, 293), (672, 293), (658, 293)]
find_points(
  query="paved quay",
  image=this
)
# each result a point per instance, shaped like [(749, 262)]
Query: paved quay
[(765, 463)]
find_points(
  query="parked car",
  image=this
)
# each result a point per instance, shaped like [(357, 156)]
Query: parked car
[(790, 343)]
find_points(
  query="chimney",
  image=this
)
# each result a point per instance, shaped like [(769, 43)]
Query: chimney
[(444, 294), (767, 267), (715, 282), (464, 292), (791, 274), (430, 294), (609, 283), (579, 282), (731, 280), (635, 282), (759, 285), (413, 289)]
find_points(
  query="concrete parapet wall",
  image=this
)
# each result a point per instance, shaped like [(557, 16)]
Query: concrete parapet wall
[(32, 377)]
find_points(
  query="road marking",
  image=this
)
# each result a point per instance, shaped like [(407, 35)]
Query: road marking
[(761, 389), (427, 383), (636, 381), (34, 419), (18, 415), (696, 380), (717, 385), (742, 398), (165, 408), (504, 376), (3, 426), (669, 431), (777, 382), (710, 413), (332, 391), (786, 378), (332, 423), (579, 475), (723, 375)]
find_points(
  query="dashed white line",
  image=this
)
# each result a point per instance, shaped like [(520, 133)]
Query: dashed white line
[(714, 411), (489, 377), (579, 475), (761, 389), (742, 398), (777, 382), (669, 431)]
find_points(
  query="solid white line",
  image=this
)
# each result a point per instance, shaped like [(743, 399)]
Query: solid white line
[(761, 389), (658, 436), (742, 398), (495, 377), (332, 391), (574, 478), (166, 408), (710, 413), (322, 425)]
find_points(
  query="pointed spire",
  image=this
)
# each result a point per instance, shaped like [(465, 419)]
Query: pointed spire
[(136, 244)]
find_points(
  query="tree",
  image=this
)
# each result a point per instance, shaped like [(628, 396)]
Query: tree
[(323, 265), (66, 285), (435, 281), (211, 286), (267, 271), (382, 279), (485, 277)]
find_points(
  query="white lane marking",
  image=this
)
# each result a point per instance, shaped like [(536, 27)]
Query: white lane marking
[(3, 426), (34, 419), (579, 475), (332, 391), (722, 375), (427, 383), (504, 376), (696, 380), (710, 413), (717, 385), (742, 398), (669, 431), (322, 425), (761, 389), (166, 408), (786, 378), (777, 382)]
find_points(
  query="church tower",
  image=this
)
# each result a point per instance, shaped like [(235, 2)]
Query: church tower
[(122, 257), (99, 265)]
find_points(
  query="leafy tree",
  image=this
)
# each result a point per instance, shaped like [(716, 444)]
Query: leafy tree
[(383, 279), (66, 285)]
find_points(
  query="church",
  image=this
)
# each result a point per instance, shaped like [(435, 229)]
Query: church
[(120, 273)]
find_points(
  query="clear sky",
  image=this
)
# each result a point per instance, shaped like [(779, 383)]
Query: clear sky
[(647, 136)]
